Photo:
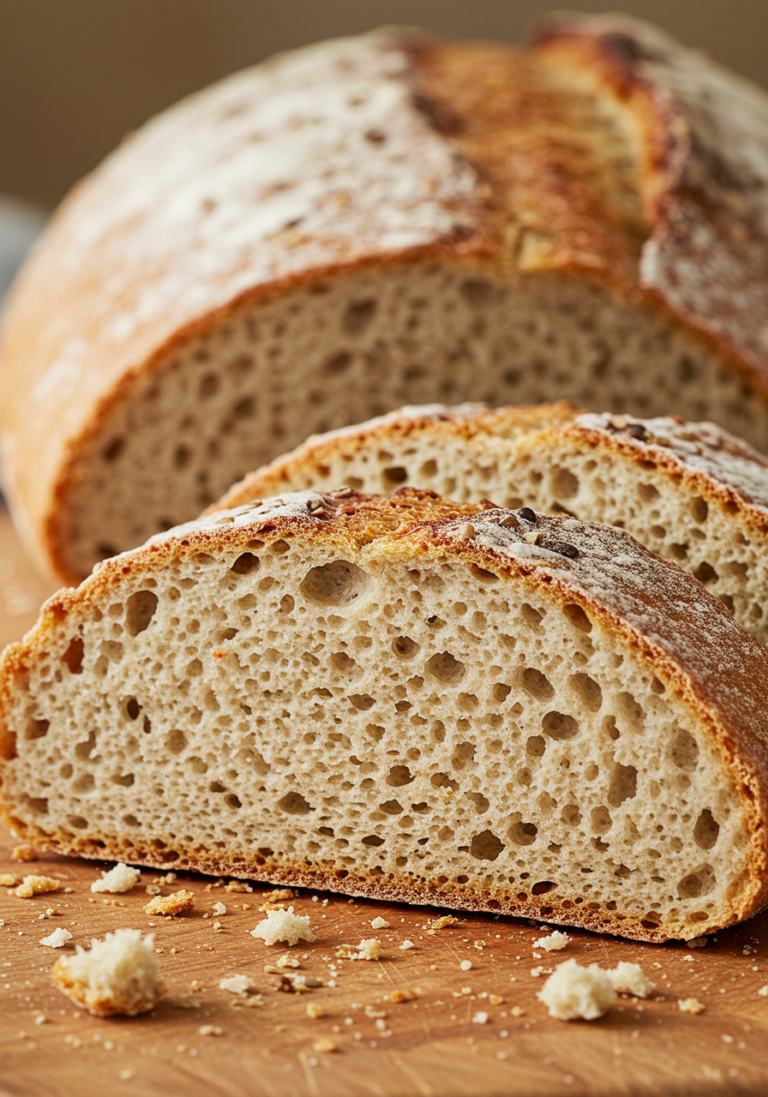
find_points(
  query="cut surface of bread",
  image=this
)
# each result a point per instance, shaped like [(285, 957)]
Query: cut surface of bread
[(688, 491), (376, 221), (405, 698)]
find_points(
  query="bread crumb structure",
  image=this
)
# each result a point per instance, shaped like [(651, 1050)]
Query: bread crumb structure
[(285, 926), (170, 905), (690, 1005), (573, 992), (118, 975), (57, 939), (119, 879), (342, 691), (238, 984)]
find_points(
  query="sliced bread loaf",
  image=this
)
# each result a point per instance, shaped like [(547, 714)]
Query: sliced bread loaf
[(689, 491), (404, 698), (383, 220)]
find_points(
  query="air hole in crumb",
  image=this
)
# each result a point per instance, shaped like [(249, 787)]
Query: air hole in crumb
[(706, 831), (463, 754), (133, 708), (705, 573), (182, 455), (338, 363), (501, 691), (342, 662), (373, 840), (358, 315), (36, 729), (699, 509), (652, 920), (405, 647), (245, 564), (571, 815), (338, 583), (139, 611), (124, 779), (486, 846), (685, 751), (112, 451), (77, 821), (697, 883), (537, 684), (361, 701), (577, 617), (428, 469), (521, 833), (481, 803), (601, 820), (558, 725), (442, 780), (73, 656), (531, 616), (543, 887), (535, 746), (399, 775), (391, 807), (84, 749), (446, 668), (483, 575), (175, 741), (648, 492), (587, 690), (478, 293), (623, 785), (564, 484), (394, 475), (727, 601), (233, 801), (295, 804)]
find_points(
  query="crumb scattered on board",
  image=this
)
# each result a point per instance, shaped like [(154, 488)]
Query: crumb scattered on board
[(690, 1005), (119, 879), (57, 939), (36, 885), (171, 905), (284, 925), (554, 942)]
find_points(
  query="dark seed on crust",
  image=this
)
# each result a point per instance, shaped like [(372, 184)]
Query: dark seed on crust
[(639, 433), (527, 514), (510, 522), (564, 549)]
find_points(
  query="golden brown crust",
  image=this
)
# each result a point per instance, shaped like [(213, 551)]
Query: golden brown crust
[(689, 641)]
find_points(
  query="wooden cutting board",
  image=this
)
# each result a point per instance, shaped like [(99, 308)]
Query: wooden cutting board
[(477, 1032)]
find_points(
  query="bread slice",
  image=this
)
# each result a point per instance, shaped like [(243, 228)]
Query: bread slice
[(405, 698), (689, 491), (383, 220)]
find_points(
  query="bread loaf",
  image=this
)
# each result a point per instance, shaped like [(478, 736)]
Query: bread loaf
[(689, 491), (376, 221), (404, 698)]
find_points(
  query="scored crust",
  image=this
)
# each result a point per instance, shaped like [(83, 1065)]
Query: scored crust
[(704, 673), (689, 491), (606, 162)]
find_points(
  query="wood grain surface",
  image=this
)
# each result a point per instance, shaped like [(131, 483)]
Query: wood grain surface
[(434, 1042)]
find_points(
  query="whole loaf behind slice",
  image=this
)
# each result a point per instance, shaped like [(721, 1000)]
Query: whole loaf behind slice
[(383, 220), (689, 491), (403, 698)]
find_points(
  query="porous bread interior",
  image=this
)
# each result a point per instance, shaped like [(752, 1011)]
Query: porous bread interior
[(338, 353), (418, 724), (708, 538), (117, 975)]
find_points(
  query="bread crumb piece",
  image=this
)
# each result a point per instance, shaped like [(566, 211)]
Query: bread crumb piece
[(763, 991), (573, 992), (152, 889), (284, 925), (171, 905), (219, 909), (697, 942), (24, 853), (399, 996), (210, 1030), (379, 923), (466, 965), (480, 1018), (325, 1046), (298, 984), (266, 907), (36, 885), (238, 984), (118, 975), (406, 945), (238, 885), (119, 879), (554, 942), (278, 895), (441, 923), (287, 961), (368, 949), (631, 979), (517, 1011), (315, 1011), (690, 1005), (495, 999), (7, 880), (126, 1074), (57, 939)]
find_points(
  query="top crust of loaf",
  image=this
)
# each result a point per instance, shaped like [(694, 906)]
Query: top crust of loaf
[(635, 162), (696, 649)]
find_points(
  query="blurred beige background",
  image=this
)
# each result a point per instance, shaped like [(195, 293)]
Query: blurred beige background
[(75, 75)]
